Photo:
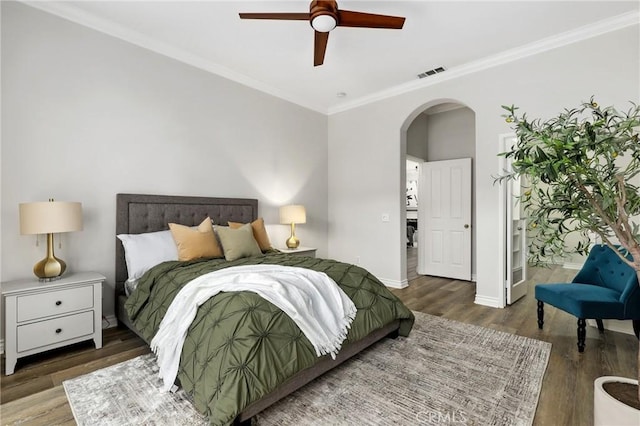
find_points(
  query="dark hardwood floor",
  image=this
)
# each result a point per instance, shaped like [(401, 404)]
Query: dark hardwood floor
[(412, 263), (34, 394)]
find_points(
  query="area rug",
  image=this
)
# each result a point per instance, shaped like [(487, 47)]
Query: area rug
[(445, 372)]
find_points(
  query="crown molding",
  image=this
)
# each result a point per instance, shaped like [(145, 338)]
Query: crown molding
[(73, 14), (569, 37)]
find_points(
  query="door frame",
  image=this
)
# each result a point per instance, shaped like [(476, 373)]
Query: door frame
[(410, 117), (503, 139), (514, 290)]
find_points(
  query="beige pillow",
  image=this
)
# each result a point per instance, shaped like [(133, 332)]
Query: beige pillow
[(238, 243), (195, 243), (259, 232)]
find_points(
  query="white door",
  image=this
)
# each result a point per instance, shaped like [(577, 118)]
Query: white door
[(444, 219), (516, 243), (516, 273)]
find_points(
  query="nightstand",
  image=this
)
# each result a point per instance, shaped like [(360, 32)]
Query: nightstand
[(300, 251), (40, 316)]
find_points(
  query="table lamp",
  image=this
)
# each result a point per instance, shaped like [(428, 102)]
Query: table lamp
[(293, 214), (50, 217)]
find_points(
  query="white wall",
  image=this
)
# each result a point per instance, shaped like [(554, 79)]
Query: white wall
[(417, 137), (451, 135), (542, 85), (86, 116)]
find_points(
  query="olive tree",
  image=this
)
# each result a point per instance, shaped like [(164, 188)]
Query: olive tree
[(582, 170)]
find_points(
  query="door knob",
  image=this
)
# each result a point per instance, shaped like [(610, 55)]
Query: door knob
[(466, 226)]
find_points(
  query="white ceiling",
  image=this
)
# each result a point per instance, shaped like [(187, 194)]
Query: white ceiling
[(277, 56)]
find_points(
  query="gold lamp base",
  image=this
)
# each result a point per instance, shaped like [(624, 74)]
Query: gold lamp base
[(293, 242), (50, 267)]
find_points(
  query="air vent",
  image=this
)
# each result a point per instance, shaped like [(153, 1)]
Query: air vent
[(431, 72)]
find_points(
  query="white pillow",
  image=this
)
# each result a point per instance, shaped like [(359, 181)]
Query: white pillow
[(144, 251)]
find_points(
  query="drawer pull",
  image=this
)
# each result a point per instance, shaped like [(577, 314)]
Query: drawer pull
[(58, 303), (58, 330)]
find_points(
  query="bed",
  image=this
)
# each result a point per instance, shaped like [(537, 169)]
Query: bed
[(380, 313)]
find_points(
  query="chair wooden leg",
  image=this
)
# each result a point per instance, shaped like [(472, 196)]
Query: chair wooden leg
[(600, 325), (636, 328), (540, 314), (582, 333)]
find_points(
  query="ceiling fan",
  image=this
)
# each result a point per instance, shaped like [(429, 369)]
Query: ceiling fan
[(324, 16)]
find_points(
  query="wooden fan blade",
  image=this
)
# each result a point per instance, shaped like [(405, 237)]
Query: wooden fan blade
[(319, 47), (347, 18), (278, 16)]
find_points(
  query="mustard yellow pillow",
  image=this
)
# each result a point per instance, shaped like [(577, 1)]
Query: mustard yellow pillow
[(259, 232), (195, 243), (238, 243)]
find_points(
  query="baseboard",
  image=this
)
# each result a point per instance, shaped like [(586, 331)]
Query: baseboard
[(395, 283), (109, 321), (625, 327), (570, 265), (493, 302)]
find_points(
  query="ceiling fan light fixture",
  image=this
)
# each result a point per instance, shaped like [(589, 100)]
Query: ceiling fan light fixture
[(324, 16), (323, 23)]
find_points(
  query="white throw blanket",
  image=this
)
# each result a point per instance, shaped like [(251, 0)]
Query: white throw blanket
[(311, 299)]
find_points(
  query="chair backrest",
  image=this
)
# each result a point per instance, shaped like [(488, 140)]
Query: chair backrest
[(604, 268)]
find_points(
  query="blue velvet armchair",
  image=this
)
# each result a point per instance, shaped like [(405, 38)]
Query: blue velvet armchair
[(605, 288)]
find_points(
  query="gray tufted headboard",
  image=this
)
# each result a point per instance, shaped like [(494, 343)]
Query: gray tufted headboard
[(137, 213)]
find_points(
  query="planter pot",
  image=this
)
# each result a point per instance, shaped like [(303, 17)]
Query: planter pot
[(608, 411)]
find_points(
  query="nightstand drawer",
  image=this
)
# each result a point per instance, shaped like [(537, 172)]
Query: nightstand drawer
[(55, 330), (42, 305)]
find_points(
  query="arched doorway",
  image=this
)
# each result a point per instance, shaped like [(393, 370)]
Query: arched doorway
[(437, 131)]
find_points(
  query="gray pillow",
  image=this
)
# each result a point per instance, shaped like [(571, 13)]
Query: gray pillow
[(238, 243)]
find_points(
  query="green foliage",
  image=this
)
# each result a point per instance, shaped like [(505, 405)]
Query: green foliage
[(579, 167)]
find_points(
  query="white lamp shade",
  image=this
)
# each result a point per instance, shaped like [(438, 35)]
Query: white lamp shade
[(50, 217), (293, 213), (323, 23)]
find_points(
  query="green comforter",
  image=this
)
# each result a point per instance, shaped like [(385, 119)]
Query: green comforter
[(240, 347)]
